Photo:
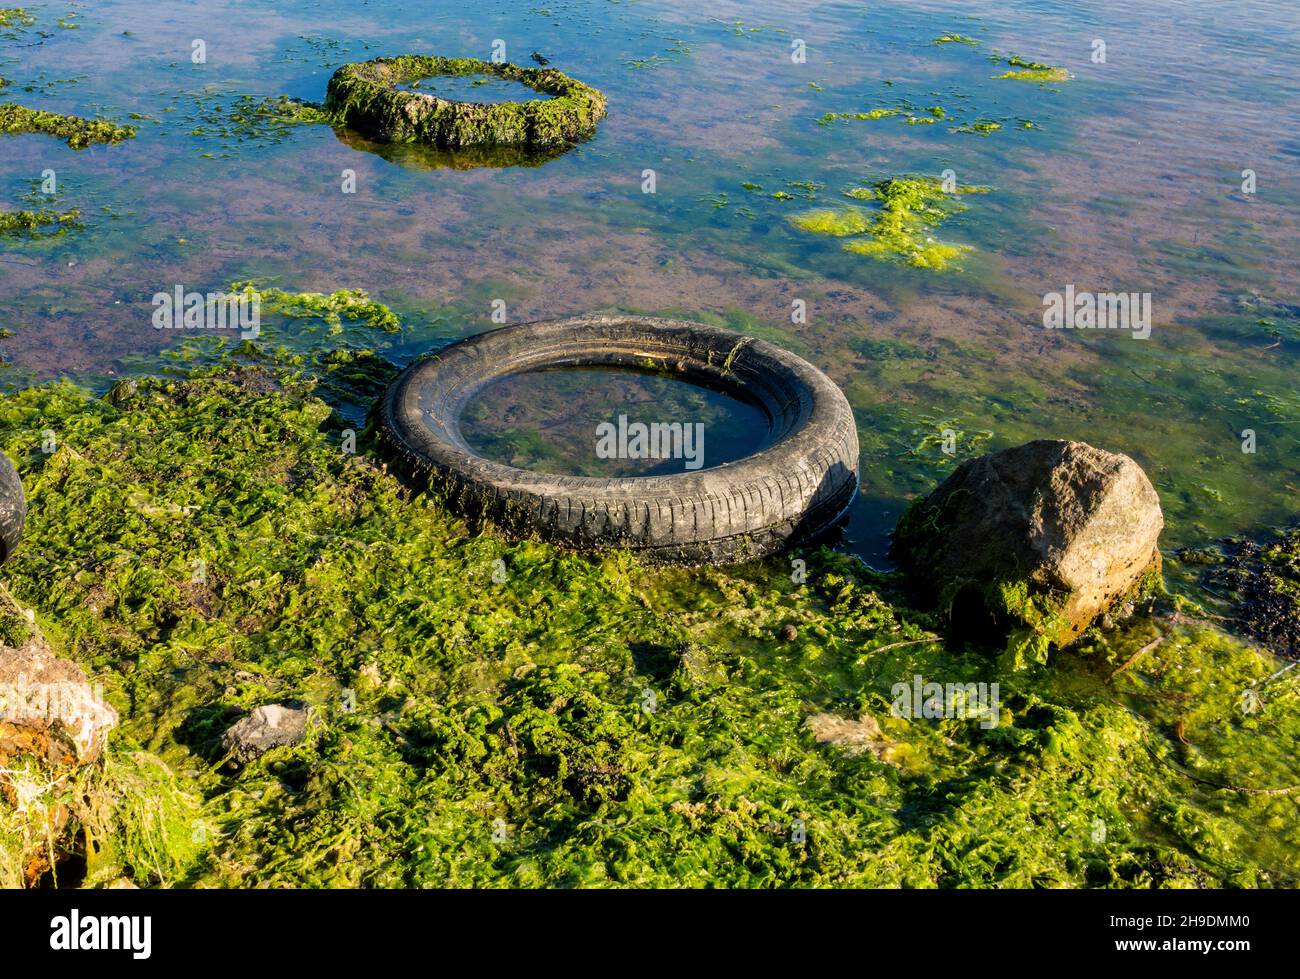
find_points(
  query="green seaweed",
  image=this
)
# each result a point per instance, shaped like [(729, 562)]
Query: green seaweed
[(15, 17), (932, 115), (78, 132), (352, 304), (363, 97), (499, 712), (43, 223), (1034, 71), (899, 229), (980, 128)]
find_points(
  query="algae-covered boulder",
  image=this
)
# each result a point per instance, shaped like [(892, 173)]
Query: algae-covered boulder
[(1036, 541)]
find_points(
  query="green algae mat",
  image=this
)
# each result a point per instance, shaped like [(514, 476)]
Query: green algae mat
[(490, 712)]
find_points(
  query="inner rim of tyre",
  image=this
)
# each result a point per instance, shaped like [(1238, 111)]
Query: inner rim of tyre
[(389, 75), (720, 374), (613, 422)]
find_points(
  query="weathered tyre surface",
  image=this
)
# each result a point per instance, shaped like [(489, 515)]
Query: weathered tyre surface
[(364, 97), (792, 490), (13, 509)]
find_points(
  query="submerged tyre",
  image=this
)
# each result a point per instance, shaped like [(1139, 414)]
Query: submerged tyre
[(13, 509), (797, 487)]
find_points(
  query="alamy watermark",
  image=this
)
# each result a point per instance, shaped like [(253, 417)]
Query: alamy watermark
[(1073, 310), (181, 310), (962, 701), (657, 440)]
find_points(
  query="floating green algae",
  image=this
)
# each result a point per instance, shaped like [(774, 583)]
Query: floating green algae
[(332, 308), (1034, 71), (77, 131), (41, 223), (839, 222), (248, 119), (899, 230), (500, 712), (931, 115), (951, 38), (981, 128), (15, 17)]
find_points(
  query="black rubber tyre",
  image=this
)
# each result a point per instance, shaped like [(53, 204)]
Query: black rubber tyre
[(794, 489), (13, 509)]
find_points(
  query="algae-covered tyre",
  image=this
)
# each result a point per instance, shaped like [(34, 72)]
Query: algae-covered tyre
[(13, 509), (364, 97), (792, 490)]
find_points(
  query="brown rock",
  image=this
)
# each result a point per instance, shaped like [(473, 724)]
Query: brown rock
[(1049, 534), (48, 708), (52, 716)]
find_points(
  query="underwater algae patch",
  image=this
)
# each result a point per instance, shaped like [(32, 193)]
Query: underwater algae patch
[(77, 131), (364, 97), (38, 224), (899, 229), (1021, 69), (203, 546)]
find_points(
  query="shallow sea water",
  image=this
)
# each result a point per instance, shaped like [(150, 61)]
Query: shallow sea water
[(1129, 178)]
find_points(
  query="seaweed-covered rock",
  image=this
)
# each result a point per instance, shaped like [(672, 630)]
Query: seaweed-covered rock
[(365, 97), (1037, 540), (13, 508), (271, 726)]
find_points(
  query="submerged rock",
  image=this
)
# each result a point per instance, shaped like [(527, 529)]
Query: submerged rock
[(271, 726), (1037, 540)]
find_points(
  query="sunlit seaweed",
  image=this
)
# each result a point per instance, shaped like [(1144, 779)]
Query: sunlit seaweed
[(581, 720), (899, 229), (77, 131)]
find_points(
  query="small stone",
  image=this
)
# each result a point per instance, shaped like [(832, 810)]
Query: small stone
[(271, 726), (789, 633)]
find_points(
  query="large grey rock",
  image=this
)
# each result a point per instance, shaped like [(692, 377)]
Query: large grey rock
[(1048, 535), (271, 726)]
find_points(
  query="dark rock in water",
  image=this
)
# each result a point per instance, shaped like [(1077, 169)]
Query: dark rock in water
[(1036, 541), (789, 633), (271, 726), (121, 393), (1261, 581)]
